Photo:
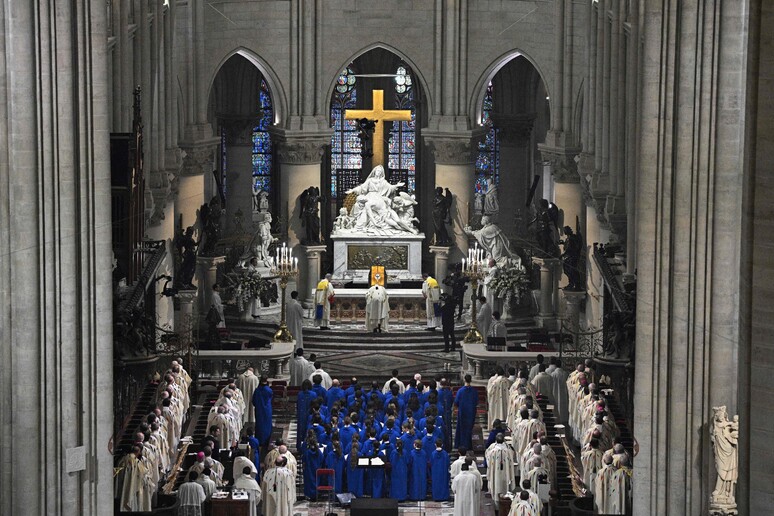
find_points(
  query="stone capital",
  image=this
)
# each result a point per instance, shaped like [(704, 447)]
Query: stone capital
[(198, 157), (239, 129), (454, 148), (300, 147), (514, 129), (563, 162), (440, 250), (314, 250)]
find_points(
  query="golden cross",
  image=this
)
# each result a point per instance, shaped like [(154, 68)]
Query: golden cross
[(379, 115)]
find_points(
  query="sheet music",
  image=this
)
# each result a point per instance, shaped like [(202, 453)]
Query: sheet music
[(377, 461), (362, 461)]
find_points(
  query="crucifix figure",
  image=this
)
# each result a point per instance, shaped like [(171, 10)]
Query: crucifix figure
[(379, 115)]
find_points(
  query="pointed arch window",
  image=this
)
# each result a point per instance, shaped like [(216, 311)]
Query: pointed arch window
[(401, 159), (488, 159), (262, 146), (346, 160)]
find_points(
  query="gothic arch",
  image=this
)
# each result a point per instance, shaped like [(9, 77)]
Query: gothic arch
[(278, 95), (479, 90), (414, 68)]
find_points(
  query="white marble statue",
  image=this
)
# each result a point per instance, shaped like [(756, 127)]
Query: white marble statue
[(343, 222), (724, 435), (497, 246), (259, 244), (379, 209), (491, 203)]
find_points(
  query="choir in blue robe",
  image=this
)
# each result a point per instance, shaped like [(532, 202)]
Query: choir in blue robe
[(263, 422), (399, 475), (313, 460), (303, 401), (345, 436), (466, 402), (440, 478), (336, 463), (354, 478), (418, 475), (255, 445)]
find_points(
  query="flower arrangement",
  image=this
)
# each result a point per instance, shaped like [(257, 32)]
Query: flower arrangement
[(249, 287), (511, 283)]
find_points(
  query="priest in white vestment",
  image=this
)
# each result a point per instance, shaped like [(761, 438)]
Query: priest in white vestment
[(484, 317), (497, 394), (432, 294), (591, 459), (300, 368), (217, 302), (327, 381), (535, 473), (323, 296), (500, 468), (207, 483), (466, 487), (247, 383), (602, 486), (247, 482), (294, 315), (377, 309), (133, 482), (191, 496), (523, 506), (544, 383), (559, 376), (279, 488)]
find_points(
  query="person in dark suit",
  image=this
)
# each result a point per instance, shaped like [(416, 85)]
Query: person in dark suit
[(447, 322)]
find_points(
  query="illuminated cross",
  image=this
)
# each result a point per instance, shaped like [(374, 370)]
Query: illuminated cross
[(379, 115)]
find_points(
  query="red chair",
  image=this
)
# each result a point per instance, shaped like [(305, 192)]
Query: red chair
[(283, 383), (280, 396), (326, 483)]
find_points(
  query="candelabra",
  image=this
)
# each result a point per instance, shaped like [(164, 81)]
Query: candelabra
[(283, 266), (473, 269)]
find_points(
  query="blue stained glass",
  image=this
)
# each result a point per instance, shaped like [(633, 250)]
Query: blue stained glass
[(488, 159), (262, 145)]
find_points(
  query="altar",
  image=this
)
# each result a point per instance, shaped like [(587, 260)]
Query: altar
[(407, 305), (354, 254)]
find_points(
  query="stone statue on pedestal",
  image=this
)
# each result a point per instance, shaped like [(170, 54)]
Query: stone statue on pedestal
[(380, 209), (573, 247), (209, 222), (441, 215), (493, 240), (186, 250), (259, 244), (724, 435), (310, 214), (546, 228), (491, 203)]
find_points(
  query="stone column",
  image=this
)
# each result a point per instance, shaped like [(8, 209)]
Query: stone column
[(515, 167), (547, 315), (55, 268), (184, 317), (299, 155), (198, 162), (207, 276), (441, 269), (310, 274), (572, 311), (455, 160), (239, 171)]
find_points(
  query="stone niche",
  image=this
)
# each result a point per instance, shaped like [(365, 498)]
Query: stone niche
[(401, 256)]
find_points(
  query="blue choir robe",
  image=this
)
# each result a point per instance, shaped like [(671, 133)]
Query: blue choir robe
[(408, 440), (313, 460), (440, 478), (418, 475), (354, 478), (336, 463), (377, 479), (445, 399), (319, 432), (303, 402), (320, 392), (262, 397), (428, 444), (466, 402), (370, 448), (399, 475), (255, 445), (334, 395), (345, 436)]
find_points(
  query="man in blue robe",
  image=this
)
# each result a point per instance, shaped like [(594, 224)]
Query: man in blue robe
[(439, 469), (318, 389), (418, 473), (262, 397), (335, 393), (312, 458), (335, 460), (445, 400), (466, 402)]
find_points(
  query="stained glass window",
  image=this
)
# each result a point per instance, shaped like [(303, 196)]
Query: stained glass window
[(262, 151), (346, 161), (488, 160), (401, 159)]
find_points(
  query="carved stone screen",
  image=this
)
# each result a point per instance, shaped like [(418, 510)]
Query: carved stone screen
[(364, 256)]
